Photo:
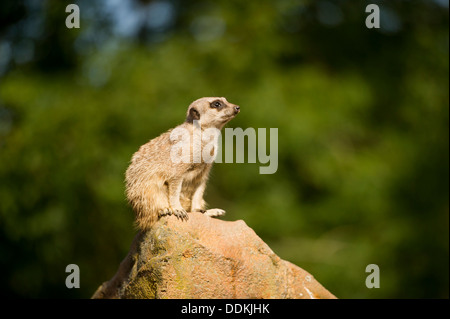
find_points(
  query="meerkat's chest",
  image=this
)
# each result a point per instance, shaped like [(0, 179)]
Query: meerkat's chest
[(195, 171), (204, 145)]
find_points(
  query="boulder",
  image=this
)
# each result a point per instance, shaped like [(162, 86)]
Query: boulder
[(206, 257)]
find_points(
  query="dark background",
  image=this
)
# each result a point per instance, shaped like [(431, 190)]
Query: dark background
[(362, 116)]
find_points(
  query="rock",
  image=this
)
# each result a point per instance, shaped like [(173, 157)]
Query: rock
[(206, 258)]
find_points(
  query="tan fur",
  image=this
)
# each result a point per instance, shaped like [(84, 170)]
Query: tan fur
[(155, 186)]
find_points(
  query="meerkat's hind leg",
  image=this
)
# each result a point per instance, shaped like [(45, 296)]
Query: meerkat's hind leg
[(214, 212), (165, 212), (174, 199), (159, 198)]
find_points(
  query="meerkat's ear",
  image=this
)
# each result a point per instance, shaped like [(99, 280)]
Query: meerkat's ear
[(193, 115)]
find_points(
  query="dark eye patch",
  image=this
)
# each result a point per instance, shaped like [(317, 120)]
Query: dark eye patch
[(216, 104)]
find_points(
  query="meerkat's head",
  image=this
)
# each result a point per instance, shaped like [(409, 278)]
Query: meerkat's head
[(212, 111)]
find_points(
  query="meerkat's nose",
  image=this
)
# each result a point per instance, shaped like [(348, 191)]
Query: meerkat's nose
[(237, 108)]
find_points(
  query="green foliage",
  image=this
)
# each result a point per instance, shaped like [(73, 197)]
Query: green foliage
[(363, 153)]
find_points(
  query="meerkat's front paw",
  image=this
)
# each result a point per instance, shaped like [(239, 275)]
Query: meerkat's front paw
[(180, 213), (214, 212)]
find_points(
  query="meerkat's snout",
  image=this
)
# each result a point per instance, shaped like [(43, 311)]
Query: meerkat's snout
[(235, 110), (230, 112)]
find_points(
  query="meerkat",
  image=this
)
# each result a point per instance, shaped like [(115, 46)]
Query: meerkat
[(157, 186)]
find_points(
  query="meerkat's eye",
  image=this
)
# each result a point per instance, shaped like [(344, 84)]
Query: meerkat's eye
[(216, 104)]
